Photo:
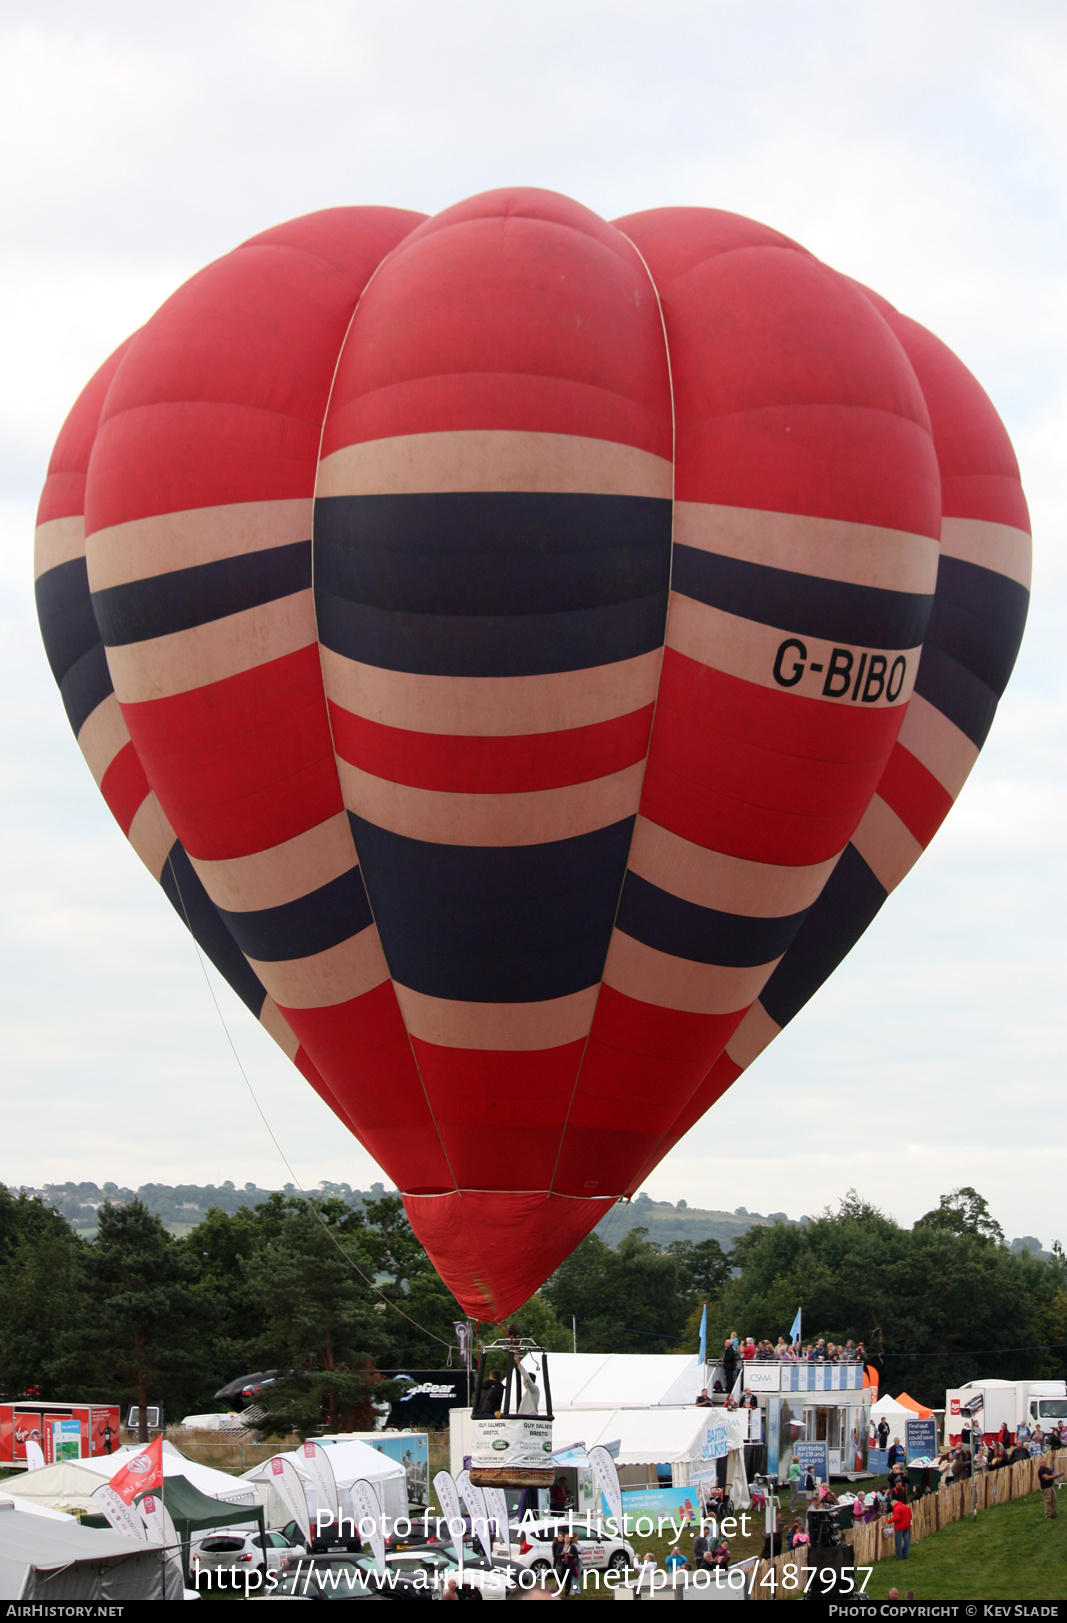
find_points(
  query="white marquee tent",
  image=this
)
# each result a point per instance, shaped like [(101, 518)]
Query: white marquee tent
[(351, 1462), (73, 1482)]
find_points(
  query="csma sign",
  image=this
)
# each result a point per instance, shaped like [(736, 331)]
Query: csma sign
[(871, 678)]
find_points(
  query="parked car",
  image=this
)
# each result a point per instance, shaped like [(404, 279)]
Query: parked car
[(343, 1577), (442, 1562), (532, 1545), (230, 1547)]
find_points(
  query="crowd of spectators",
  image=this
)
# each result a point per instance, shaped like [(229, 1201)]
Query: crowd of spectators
[(738, 1349)]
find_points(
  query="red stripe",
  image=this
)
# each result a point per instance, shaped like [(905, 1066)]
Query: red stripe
[(477, 1097), (460, 763), (243, 764), (63, 495), (124, 786), (766, 776), (363, 1048), (914, 794), (723, 1074), (641, 1067)]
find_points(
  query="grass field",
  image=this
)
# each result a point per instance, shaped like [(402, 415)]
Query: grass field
[(1009, 1553)]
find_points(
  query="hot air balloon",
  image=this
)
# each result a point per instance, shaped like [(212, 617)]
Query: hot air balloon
[(527, 650)]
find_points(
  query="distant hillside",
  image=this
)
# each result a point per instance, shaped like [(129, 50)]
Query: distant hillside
[(666, 1222), (181, 1207)]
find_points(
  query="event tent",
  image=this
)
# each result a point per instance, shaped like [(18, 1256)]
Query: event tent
[(70, 1484), (351, 1462), (48, 1561), (918, 1410), (893, 1413), (194, 1512), (623, 1380), (29, 1508)]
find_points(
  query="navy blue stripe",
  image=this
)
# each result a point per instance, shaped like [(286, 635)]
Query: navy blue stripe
[(702, 934), (836, 611), (954, 690), (515, 645), (979, 618), (848, 902), (312, 923), (494, 924), (142, 609), (194, 907), (86, 685), (65, 614), (492, 553)]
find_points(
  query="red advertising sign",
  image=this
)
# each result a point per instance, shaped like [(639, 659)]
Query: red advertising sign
[(103, 1430), (954, 1406)]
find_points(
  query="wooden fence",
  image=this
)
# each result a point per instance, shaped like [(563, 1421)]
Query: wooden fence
[(952, 1503)]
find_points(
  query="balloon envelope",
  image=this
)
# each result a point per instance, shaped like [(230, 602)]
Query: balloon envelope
[(528, 650)]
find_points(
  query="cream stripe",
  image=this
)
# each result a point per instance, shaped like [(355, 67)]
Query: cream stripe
[(154, 546), (151, 835), (532, 818), (57, 542), (103, 734), (507, 1027), (492, 706), (493, 459), (184, 660), (999, 547), (886, 845), (834, 549), (678, 983), (326, 978), (284, 872), (273, 1021), (729, 884), (944, 751), (755, 1033), (747, 649)]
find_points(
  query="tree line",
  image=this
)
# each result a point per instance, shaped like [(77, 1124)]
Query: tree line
[(331, 1294)]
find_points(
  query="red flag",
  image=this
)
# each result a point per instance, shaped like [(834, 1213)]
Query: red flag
[(143, 1472)]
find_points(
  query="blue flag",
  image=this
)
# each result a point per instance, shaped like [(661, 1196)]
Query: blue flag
[(794, 1334), (704, 1335)]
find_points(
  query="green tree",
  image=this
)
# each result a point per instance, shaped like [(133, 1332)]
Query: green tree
[(964, 1211), (40, 1281), (136, 1331), (635, 1299)]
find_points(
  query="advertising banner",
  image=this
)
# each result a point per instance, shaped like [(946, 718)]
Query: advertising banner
[(761, 1377), (123, 1517), (66, 1440), (920, 1440), (812, 1456), (412, 1451), (161, 1530), (515, 1442), (715, 1441), (368, 1514), (104, 1430), (774, 1435), (648, 1505), (34, 1456), (315, 1463), (474, 1499), (606, 1475), (447, 1496), (497, 1506), (285, 1479)]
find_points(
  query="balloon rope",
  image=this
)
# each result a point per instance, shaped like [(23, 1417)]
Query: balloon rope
[(310, 1198)]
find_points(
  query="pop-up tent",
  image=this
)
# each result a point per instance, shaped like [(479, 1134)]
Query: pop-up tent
[(194, 1512), (43, 1560), (893, 1413), (351, 1462), (70, 1485), (918, 1410)]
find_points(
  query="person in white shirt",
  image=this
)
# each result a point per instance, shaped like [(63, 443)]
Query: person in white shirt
[(530, 1401)]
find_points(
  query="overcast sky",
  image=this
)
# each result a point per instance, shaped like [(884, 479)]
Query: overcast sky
[(918, 147)]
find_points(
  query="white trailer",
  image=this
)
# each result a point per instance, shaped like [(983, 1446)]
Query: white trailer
[(1039, 1403)]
